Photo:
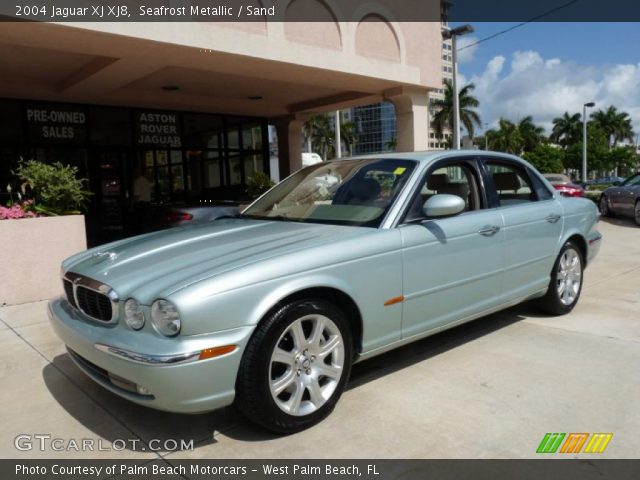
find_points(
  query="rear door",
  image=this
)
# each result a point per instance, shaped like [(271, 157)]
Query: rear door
[(533, 225), (452, 266)]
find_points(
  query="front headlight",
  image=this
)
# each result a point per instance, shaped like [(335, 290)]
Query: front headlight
[(165, 318), (133, 314)]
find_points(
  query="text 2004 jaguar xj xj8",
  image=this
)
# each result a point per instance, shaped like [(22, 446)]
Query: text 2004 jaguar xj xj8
[(341, 261)]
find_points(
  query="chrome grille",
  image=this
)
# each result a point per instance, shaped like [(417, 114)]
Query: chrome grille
[(93, 298), (68, 290), (94, 304)]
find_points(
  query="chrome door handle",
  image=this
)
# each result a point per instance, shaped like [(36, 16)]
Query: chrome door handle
[(552, 218), (489, 230)]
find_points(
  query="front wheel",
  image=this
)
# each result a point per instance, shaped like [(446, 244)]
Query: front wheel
[(603, 206), (566, 281), (636, 212), (295, 366)]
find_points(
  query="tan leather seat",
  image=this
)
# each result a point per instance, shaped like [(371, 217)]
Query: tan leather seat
[(506, 181), (459, 189)]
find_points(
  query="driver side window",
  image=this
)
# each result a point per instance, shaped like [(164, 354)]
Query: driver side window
[(458, 179)]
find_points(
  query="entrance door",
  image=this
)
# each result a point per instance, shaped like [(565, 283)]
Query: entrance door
[(107, 215)]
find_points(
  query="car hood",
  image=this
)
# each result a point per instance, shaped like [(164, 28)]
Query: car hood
[(168, 260)]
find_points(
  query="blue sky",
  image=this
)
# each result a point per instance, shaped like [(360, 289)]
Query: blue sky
[(544, 69)]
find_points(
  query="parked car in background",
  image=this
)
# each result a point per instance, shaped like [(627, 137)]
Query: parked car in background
[(310, 158), (605, 181), (622, 199), (270, 309), (564, 185), (198, 212)]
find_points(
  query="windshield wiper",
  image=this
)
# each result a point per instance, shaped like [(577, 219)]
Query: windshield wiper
[(281, 218), (229, 215)]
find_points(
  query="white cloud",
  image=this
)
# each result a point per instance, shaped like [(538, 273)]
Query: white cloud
[(469, 51), (546, 88)]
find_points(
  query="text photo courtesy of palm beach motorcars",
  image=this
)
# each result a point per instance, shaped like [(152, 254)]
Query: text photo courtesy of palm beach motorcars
[(352, 231)]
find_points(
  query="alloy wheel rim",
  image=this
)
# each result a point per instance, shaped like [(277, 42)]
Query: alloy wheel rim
[(569, 276), (604, 208), (638, 213), (306, 365)]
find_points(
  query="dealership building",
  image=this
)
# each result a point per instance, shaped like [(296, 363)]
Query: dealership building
[(188, 104)]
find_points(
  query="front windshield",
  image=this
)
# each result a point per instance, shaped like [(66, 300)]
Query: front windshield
[(633, 180), (342, 192)]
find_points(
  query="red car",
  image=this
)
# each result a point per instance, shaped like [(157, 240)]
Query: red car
[(564, 185)]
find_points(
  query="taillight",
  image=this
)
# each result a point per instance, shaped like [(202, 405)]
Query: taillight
[(173, 216)]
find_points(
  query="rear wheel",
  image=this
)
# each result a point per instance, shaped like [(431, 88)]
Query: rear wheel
[(603, 205), (295, 366), (566, 281)]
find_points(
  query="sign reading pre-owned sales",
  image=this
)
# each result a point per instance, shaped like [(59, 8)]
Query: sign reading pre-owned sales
[(57, 123), (157, 128)]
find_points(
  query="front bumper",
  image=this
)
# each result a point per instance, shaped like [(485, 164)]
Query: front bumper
[(173, 378)]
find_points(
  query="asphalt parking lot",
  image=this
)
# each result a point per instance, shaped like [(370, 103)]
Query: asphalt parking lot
[(488, 389)]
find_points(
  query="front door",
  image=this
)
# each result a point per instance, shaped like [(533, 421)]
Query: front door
[(452, 267)]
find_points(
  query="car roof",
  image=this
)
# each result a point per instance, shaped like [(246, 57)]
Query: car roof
[(428, 156)]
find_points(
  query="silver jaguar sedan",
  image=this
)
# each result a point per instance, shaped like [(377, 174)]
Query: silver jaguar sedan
[(340, 262)]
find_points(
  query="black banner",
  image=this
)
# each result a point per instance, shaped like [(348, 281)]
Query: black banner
[(318, 11), (162, 468)]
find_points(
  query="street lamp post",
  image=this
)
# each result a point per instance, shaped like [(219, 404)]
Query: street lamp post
[(453, 33), (584, 139)]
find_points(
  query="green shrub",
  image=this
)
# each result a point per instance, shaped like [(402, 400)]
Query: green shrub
[(257, 184), (593, 195), (54, 188)]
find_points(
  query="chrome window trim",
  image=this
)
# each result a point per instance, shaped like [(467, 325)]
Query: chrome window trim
[(147, 359), (78, 280)]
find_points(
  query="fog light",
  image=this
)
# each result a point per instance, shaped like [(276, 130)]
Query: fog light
[(142, 391)]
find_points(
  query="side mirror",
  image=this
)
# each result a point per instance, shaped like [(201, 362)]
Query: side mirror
[(616, 184), (443, 205)]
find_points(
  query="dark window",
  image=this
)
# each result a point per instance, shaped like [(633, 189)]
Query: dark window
[(10, 124), (110, 126), (202, 131)]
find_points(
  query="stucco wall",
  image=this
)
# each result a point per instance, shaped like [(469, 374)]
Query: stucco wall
[(31, 252)]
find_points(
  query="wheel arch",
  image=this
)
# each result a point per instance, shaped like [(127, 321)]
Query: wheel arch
[(581, 243), (331, 294)]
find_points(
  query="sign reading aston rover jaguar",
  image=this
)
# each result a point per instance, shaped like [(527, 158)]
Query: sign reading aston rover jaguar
[(155, 128)]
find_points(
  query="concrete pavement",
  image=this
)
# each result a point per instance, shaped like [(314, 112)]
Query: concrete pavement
[(488, 389)]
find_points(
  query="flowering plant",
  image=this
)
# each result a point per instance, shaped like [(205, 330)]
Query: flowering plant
[(18, 210), (52, 189)]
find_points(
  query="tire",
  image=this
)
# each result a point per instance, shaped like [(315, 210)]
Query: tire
[(566, 281), (636, 212), (295, 366), (603, 206)]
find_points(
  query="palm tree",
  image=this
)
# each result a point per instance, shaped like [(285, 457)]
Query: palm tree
[(443, 117), (567, 129), (349, 135), (319, 134), (506, 139), (614, 124), (531, 134)]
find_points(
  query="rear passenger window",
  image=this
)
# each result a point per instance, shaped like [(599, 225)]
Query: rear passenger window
[(512, 183)]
